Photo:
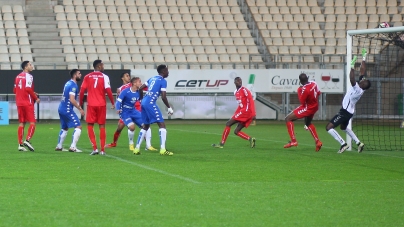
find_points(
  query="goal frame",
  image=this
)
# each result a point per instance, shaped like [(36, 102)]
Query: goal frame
[(349, 35)]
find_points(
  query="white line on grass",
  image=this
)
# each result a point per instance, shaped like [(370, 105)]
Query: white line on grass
[(211, 133), (151, 168)]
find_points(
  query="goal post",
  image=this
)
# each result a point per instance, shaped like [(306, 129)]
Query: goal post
[(384, 66)]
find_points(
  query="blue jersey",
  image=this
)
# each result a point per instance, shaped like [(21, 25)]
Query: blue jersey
[(155, 85), (69, 89), (127, 99)]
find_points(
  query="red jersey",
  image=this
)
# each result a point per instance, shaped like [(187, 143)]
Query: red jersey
[(308, 95), (123, 87), (245, 101), (24, 89), (96, 84)]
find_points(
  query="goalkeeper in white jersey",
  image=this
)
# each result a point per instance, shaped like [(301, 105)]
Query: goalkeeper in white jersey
[(348, 106)]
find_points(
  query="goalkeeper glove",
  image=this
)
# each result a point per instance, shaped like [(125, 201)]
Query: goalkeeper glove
[(353, 62), (364, 52), (170, 111)]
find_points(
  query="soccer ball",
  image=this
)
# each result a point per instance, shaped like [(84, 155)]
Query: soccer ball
[(384, 25)]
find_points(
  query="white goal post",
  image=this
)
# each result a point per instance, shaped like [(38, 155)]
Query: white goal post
[(349, 48)]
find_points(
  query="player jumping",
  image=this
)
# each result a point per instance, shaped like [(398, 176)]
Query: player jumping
[(348, 106), (68, 118), (244, 115), (308, 95)]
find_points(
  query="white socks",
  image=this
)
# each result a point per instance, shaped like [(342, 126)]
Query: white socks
[(352, 135), (163, 136), (140, 139), (75, 137), (131, 134), (148, 138), (62, 137), (336, 136)]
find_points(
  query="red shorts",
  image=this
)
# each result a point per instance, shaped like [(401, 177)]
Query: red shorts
[(302, 112), (243, 118), (26, 113), (96, 114)]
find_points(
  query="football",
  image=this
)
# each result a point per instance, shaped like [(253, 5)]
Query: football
[(384, 25)]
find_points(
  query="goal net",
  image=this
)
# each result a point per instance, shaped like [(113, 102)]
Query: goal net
[(378, 120)]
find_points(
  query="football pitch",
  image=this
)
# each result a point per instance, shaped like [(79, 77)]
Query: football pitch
[(199, 185)]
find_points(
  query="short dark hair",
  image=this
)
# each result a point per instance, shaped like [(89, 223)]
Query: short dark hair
[(237, 78), (161, 67), (72, 72), (123, 74), (24, 64), (134, 79), (302, 75), (369, 85), (96, 62)]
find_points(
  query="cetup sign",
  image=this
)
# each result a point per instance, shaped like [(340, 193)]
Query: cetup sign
[(258, 80)]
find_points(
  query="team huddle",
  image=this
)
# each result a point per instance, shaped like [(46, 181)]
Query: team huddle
[(138, 108)]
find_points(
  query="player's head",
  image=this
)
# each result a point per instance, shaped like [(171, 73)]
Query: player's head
[(364, 83), (26, 66), (75, 74), (238, 82), (162, 70), (98, 65), (136, 82), (303, 78), (125, 77)]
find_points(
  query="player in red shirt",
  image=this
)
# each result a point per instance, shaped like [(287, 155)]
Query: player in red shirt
[(25, 98), (244, 114), (308, 95), (96, 84)]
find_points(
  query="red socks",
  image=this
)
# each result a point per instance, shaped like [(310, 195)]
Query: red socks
[(31, 131), (116, 136), (225, 135), (102, 138), (243, 135), (91, 136), (313, 132), (291, 131), (20, 134)]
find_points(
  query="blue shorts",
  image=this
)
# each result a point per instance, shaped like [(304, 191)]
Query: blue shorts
[(68, 119), (131, 116), (151, 114)]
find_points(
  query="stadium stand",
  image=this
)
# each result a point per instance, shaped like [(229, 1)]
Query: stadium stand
[(198, 34)]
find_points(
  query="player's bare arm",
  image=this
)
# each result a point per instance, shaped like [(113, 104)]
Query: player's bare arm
[(75, 104), (164, 98)]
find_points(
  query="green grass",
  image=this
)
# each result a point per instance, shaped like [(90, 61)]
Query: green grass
[(199, 185)]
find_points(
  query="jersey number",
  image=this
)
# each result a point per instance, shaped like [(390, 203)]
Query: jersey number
[(20, 84), (151, 85), (96, 82)]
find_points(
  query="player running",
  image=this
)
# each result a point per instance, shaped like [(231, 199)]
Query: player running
[(96, 84), (127, 112), (25, 98), (244, 115), (348, 106), (308, 95), (68, 118), (151, 113)]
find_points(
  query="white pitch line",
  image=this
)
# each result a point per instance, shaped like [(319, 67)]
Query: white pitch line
[(151, 168), (211, 133)]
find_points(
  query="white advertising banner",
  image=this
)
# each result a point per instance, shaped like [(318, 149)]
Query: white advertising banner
[(257, 80)]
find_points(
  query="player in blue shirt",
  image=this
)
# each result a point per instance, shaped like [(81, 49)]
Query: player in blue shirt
[(151, 113), (125, 106), (68, 118)]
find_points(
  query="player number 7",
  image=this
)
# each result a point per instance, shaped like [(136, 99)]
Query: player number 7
[(96, 82)]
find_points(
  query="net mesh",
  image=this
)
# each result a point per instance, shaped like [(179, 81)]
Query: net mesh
[(379, 113)]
